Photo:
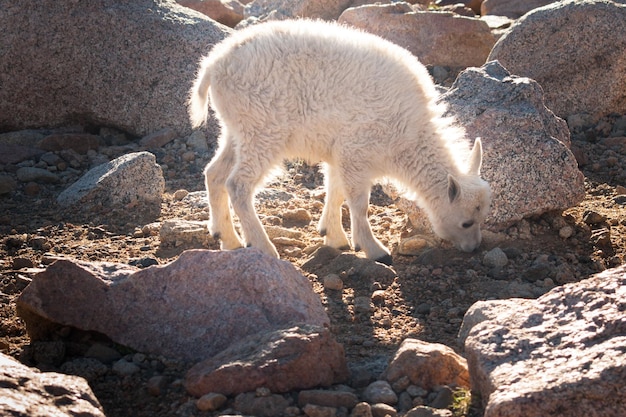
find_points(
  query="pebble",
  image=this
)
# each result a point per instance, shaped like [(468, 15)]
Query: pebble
[(495, 258), (156, 385), (102, 353), (125, 368), (211, 402), (362, 409), (7, 184), (180, 194), (380, 392), (312, 410), (383, 410), (333, 282), (566, 232)]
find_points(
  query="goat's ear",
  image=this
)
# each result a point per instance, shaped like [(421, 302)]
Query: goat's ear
[(476, 158), (454, 189)]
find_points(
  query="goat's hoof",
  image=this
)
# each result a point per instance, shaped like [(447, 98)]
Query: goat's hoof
[(217, 235), (344, 247), (387, 260), (357, 248), (323, 232)]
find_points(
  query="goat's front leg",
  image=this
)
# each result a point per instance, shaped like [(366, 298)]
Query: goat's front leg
[(330, 222), (241, 186), (362, 236)]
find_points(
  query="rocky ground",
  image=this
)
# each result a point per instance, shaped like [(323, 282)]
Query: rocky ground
[(424, 296)]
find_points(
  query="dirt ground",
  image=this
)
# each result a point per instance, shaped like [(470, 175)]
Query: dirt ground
[(424, 296)]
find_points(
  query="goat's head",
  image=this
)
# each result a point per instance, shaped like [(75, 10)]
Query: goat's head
[(466, 206)]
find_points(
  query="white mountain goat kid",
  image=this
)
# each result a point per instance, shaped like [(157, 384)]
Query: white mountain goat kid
[(363, 106)]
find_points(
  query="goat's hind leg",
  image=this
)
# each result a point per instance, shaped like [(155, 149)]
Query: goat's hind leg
[(215, 175), (330, 222)]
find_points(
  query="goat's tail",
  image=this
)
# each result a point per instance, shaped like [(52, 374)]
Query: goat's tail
[(199, 96)]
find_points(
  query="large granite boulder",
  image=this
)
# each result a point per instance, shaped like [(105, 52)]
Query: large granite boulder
[(560, 355), (575, 50), (124, 64), (511, 8), (190, 309)]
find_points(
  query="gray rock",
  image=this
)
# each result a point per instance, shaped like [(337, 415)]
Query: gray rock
[(559, 355), (526, 155), (124, 368), (327, 398), (26, 391), (132, 181), (380, 392), (578, 60), (436, 38), (283, 360), (495, 258), (227, 12), (32, 174), (88, 368), (176, 309), (7, 184), (268, 406), (124, 64)]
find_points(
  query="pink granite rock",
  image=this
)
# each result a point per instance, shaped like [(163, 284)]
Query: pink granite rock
[(126, 64), (284, 360), (191, 308), (511, 8), (427, 365), (25, 391), (561, 355), (575, 50), (436, 38)]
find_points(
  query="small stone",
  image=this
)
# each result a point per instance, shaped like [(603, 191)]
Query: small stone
[(362, 409), (566, 232), (363, 305), (156, 385), (380, 392), (591, 217), (38, 175), (444, 398), (298, 216), (211, 402), (495, 258), (188, 156), (383, 410), (125, 368), (180, 194), (103, 353), (423, 411), (333, 282), (319, 411), (413, 245), (378, 297), (7, 184), (19, 263)]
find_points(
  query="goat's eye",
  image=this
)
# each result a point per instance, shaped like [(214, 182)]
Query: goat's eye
[(467, 225)]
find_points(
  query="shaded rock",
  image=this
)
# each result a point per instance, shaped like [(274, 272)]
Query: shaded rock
[(33, 174), (283, 360), (132, 181), (575, 51), (26, 391), (436, 38), (79, 142), (129, 65), (228, 13), (526, 156), (7, 184), (511, 8), (560, 355), (328, 398), (427, 365), (175, 309), (380, 392), (158, 139), (12, 153), (211, 401), (266, 406)]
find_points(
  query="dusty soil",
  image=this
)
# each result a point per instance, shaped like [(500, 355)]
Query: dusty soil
[(424, 297)]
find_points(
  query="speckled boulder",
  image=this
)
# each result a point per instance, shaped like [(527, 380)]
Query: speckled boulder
[(125, 64), (191, 308), (576, 51), (561, 355), (526, 155)]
